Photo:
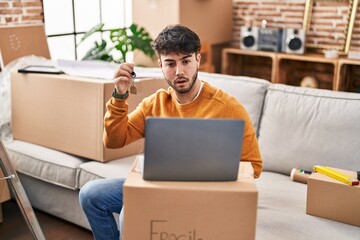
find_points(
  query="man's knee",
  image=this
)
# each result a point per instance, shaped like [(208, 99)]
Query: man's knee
[(86, 194), (101, 193)]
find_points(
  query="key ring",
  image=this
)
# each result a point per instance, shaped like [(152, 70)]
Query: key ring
[(133, 89)]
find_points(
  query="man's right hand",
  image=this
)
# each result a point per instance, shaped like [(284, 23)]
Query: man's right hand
[(123, 78)]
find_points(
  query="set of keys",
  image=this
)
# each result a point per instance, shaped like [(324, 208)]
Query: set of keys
[(133, 89)]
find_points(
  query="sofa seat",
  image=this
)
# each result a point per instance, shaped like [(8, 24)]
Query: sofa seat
[(282, 213), (45, 164), (281, 203), (63, 169), (92, 170), (52, 179)]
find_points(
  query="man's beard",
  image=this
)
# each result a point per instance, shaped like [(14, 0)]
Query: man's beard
[(182, 90)]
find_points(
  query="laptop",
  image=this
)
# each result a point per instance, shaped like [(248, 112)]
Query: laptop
[(192, 149)]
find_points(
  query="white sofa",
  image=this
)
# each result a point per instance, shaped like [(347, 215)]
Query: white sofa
[(296, 127)]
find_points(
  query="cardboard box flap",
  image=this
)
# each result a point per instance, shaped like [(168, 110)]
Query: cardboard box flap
[(20, 41)]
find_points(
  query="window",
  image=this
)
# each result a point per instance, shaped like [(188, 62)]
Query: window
[(66, 21)]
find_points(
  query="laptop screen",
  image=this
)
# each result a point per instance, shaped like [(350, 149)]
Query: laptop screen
[(192, 149)]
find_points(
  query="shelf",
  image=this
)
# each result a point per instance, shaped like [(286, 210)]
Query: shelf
[(349, 73), (292, 69), (340, 74), (257, 64)]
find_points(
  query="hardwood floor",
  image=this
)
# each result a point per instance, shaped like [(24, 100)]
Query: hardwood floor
[(14, 226)]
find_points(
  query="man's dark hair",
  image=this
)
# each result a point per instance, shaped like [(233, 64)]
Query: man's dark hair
[(177, 39)]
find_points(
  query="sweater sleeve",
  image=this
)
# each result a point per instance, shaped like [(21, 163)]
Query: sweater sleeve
[(118, 130), (250, 149)]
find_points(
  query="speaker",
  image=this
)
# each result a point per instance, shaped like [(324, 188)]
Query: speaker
[(249, 38), (294, 41)]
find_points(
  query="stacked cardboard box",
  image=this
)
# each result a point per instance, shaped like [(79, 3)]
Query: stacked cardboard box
[(66, 113), (189, 210)]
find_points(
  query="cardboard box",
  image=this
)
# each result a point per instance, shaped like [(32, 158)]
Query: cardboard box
[(20, 41), (66, 113), (332, 199), (217, 14), (4, 191), (189, 210), (181, 12)]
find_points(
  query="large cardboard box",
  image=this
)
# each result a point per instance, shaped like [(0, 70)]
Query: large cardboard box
[(156, 210), (66, 113), (213, 22), (332, 199)]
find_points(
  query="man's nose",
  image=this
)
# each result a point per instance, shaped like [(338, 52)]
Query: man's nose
[(179, 70)]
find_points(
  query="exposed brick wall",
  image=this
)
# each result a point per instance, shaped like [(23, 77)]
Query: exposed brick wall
[(21, 12), (327, 23), (325, 27)]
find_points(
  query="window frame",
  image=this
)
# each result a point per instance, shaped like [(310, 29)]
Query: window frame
[(75, 33)]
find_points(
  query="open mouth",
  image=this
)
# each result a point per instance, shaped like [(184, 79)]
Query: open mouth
[(181, 81)]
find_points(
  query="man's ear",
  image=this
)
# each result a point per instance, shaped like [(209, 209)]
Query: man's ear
[(198, 58), (159, 63)]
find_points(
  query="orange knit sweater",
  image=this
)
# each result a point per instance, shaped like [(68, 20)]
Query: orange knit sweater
[(121, 128)]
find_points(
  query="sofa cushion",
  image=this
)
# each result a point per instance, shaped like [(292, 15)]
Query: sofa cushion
[(302, 127), (44, 163), (282, 213), (94, 170), (249, 91)]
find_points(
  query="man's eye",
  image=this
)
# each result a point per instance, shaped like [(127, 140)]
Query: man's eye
[(170, 64), (186, 61)]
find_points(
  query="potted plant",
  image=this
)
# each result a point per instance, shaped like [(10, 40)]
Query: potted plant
[(124, 40)]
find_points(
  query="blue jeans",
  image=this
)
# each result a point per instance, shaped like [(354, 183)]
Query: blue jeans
[(99, 199)]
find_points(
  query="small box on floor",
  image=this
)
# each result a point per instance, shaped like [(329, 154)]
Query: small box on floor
[(157, 210), (332, 199)]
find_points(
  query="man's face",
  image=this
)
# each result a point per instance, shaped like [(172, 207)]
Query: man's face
[(180, 70)]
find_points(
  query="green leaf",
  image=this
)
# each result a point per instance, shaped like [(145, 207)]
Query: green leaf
[(98, 52), (96, 28), (142, 40), (124, 40)]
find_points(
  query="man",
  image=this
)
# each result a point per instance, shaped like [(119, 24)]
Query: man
[(178, 49)]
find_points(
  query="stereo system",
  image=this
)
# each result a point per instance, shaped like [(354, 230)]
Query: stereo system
[(270, 39), (273, 39)]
